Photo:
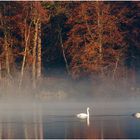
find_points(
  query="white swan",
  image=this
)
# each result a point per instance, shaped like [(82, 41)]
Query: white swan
[(83, 115), (137, 115)]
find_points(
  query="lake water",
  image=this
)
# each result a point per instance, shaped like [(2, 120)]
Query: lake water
[(60, 121), (70, 127)]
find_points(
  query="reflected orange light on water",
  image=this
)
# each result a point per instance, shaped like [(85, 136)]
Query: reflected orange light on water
[(39, 128)]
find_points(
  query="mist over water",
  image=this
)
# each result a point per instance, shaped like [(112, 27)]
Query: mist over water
[(49, 110), (68, 97)]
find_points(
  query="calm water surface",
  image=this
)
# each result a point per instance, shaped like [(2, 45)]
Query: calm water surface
[(60, 121), (71, 127)]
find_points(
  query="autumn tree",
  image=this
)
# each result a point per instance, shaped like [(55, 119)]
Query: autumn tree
[(95, 43), (22, 35), (88, 38), (33, 15), (7, 38), (39, 15)]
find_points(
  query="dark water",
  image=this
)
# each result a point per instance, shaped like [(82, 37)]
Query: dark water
[(65, 127), (59, 121)]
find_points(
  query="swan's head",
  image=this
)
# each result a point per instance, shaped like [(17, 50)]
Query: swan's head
[(87, 108)]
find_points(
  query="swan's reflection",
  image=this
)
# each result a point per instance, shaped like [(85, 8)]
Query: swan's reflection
[(88, 122)]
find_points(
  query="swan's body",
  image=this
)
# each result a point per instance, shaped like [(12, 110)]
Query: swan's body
[(84, 115), (137, 115)]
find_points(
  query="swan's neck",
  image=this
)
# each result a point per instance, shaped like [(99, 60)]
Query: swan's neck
[(87, 112)]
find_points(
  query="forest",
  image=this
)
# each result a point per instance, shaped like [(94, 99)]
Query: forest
[(52, 40)]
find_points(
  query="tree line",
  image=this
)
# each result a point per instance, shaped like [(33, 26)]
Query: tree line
[(93, 38)]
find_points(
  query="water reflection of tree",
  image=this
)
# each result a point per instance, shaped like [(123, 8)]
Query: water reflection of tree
[(11, 129), (34, 130)]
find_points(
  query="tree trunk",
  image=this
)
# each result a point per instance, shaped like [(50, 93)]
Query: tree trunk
[(26, 36), (23, 66), (35, 55), (115, 68), (63, 51), (100, 28), (0, 70), (39, 52), (99, 22), (6, 47)]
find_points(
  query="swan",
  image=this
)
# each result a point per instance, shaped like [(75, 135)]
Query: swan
[(83, 115), (137, 115)]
